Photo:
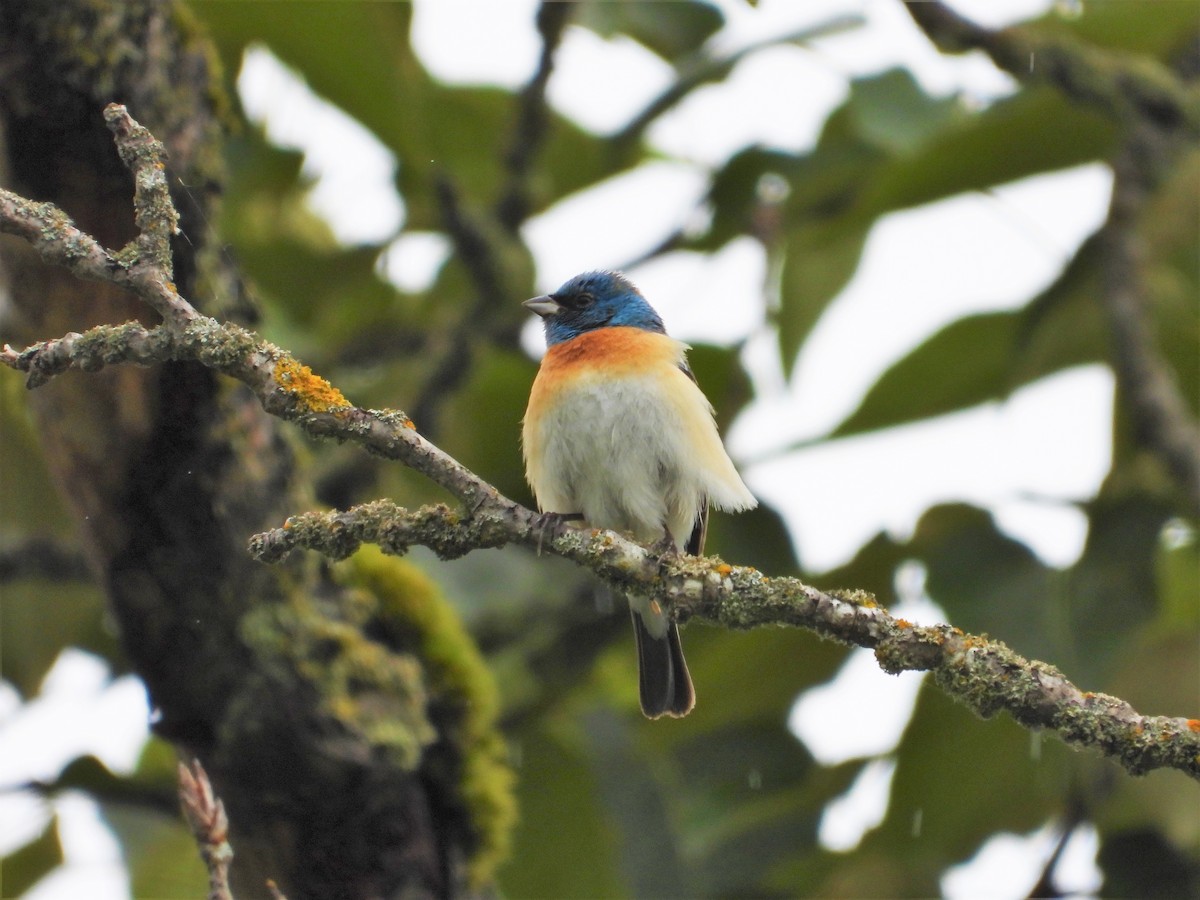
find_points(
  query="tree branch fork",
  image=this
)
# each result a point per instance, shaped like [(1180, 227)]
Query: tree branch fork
[(984, 674)]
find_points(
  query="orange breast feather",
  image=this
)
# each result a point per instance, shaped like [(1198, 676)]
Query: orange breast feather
[(604, 353)]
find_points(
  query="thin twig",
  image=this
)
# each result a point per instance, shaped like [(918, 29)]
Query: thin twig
[(702, 69), (1161, 418), (1091, 75), (473, 244), (532, 118), (481, 257), (155, 215), (479, 250), (42, 557), (205, 814)]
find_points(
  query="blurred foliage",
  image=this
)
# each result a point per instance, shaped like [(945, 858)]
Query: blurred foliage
[(726, 802)]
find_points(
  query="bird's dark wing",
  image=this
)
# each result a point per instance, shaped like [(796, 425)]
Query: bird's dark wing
[(695, 544)]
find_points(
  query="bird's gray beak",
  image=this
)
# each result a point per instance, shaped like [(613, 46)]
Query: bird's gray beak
[(544, 306)]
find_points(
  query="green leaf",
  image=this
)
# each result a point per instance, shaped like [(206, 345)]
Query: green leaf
[(1063, 326), (892, 112), (434, 129), (959, 780), (1169, 232), (671, 30), (43, 617), (480, 423), (734, 194), (322, 40), (966, 363), (150, 789), (636, 799), (752, 799), (1162, 803), (1126, 26), (989, 583), (1113, 587), (1144, 864), (1032, 132), (564, 844), (1177, 575), (160, 853), (820, 259), (28, 501), (24, 867), (987, 356), (747, 676)]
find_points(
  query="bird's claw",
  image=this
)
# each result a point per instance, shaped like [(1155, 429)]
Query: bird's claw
[(665, 546), (552, 521)]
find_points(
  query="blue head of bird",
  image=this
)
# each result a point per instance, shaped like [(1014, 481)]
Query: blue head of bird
[(593, 300)]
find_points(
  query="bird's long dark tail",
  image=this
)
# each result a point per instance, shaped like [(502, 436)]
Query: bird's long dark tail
[(663, 680)]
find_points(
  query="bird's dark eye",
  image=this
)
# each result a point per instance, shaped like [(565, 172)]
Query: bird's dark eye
[(584, 300)]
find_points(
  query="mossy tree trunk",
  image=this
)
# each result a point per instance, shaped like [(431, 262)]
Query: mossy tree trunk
[(168, 470)]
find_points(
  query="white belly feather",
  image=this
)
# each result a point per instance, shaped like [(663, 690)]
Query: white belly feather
[(631, 456)]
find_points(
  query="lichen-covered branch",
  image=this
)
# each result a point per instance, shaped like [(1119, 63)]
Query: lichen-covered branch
[(286, 387), (985, 675), (143, 266)]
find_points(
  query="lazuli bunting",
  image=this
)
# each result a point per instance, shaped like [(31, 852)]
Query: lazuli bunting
[(618, 433)]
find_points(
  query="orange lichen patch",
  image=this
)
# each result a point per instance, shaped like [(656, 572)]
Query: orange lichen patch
[(409, 423), (312, 392), (724, 569), (1193, 724), (903, 623)]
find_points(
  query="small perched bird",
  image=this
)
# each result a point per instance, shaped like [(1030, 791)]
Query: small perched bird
[(618, 433)]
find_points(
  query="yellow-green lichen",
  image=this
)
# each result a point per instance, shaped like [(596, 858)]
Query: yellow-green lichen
[(855, 597), (369, 690), (470, 756)]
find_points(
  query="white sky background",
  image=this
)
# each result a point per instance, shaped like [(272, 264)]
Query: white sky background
[(1026, 459)]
